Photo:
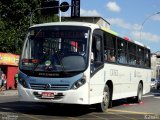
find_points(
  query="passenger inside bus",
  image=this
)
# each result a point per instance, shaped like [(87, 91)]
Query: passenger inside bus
[(112, 58), (109, 56)]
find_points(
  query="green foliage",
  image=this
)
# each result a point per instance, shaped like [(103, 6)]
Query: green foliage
[(15, 20)]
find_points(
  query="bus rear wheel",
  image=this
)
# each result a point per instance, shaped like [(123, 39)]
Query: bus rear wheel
[(103, 106), (138, 98)]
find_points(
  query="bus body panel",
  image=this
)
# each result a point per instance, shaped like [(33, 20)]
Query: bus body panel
[(125, 81), (97, 83)]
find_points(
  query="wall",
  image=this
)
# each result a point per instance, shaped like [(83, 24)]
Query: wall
[(11, 71)]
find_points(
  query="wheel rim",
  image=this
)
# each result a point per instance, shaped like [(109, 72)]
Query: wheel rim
[(105, 99), (140, 94)]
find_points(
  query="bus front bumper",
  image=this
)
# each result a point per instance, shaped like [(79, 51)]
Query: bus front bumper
[(78, 96)]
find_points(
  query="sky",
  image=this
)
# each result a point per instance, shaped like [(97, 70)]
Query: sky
[(138, 20)]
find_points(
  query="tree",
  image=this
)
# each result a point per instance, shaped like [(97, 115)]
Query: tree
[(14, 22)]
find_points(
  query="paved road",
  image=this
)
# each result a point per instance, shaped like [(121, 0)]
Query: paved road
[(150, 104), (12, 109)]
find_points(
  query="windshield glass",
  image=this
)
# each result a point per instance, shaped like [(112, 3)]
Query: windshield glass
[(55, 48)]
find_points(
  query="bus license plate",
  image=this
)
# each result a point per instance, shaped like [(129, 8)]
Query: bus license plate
[(47, 95)]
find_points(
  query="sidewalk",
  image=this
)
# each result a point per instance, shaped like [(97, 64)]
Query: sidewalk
[(9, 93)]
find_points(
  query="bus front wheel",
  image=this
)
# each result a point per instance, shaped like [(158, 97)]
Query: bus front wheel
[(102, 107)]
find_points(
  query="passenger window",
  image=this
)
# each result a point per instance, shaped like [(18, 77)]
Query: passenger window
[(109, 48), (122, 51), (147, 58), (132, 53), (140, 56)]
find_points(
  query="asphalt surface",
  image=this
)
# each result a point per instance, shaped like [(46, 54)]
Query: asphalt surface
[(12, 109)]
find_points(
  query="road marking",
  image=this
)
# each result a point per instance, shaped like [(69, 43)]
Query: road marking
[(98, 117), (126, 111), (154, 95), (73, 118), (128, 118), (157, 97), (147, 95), (29, 116)]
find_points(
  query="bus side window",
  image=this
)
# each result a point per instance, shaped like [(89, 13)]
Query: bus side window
[(140, 56), (147, 58), (109, 47), (132, 54), (122, 51)]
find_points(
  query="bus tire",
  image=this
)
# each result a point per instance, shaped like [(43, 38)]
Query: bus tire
[(138, 98), (103, 106)]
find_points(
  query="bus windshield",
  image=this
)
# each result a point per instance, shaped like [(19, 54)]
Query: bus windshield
[(55, 49)]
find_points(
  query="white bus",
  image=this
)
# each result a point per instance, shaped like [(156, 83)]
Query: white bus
[(70, 63)]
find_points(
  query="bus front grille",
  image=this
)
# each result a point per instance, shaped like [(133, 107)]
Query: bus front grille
[(49, 86)]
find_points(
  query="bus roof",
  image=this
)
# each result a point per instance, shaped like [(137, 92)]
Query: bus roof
[(92, 25)]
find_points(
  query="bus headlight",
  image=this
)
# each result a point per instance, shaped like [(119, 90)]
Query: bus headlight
[(79, 83), (22, 82)]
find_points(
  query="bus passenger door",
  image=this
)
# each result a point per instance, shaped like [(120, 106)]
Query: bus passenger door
[(96, 67)]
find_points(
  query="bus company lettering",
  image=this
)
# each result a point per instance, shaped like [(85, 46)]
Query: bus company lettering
[(48, 74), (137, 74), (113, 72)]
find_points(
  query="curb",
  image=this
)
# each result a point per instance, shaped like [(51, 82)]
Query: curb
[(9, 93)]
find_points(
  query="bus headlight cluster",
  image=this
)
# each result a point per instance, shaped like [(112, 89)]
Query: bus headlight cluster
[(22, 82), (79, 83)]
